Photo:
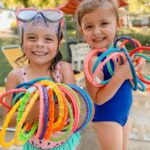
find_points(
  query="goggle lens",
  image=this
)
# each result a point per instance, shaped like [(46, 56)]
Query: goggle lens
[(26, 15), (52, 15)]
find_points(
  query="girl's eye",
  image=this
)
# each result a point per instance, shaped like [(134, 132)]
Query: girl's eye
[(49, 39), (88, 27), (31, 38), (104, 23)]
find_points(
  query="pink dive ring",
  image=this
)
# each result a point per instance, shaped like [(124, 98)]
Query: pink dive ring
[(7, 93), (87, 64)]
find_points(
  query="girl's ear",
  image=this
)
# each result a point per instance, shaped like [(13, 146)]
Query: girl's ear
[(59, 44), (81, 31), (117, 26), (120, 23), (22, 45)]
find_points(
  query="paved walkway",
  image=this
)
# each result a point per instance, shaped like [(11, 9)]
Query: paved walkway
[(89, 142), (7, 34)]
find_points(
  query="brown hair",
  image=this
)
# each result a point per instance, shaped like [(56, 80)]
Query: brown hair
[(87, 6)]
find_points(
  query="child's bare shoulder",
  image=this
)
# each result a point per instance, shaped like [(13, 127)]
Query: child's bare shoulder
[(65, 64), (14, 74), (65, 67), (13, 78)]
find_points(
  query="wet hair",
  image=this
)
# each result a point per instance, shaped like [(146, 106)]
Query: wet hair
[(59, 33), (87, 6)]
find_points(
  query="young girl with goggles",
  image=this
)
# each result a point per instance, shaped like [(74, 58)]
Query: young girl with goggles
[(51, 17), (41, 35)]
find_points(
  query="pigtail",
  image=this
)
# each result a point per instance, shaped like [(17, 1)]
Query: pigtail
[(21, 60), (58, 56), (55, 60)]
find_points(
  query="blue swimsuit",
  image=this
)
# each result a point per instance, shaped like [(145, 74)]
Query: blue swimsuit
[(118, 107)]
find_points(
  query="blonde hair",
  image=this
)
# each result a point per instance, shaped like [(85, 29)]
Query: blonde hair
[(87, 6)]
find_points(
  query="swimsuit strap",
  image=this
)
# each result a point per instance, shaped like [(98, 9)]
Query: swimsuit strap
[(58, 76), (22, 69)]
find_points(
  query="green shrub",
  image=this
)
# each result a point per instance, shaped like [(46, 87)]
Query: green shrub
[(9, 41), (70, 25), (144, 39), (14, 27)]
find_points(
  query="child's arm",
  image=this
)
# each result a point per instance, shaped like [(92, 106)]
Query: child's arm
[(67, 73), (12, 82), (103, 94)]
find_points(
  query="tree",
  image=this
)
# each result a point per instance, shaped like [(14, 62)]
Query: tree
[(32, 3), (139, 6)]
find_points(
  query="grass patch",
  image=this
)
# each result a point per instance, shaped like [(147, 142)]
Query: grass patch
[(4, 65), (9, 41), (138, 34)]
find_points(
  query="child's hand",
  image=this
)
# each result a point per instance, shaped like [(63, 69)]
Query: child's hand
[(33, 115), (123, 70), (138, 66), (81, 85)]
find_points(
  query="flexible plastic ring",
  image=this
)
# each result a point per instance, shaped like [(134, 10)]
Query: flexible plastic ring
[(51, 115), (88, 103), (4, 104), (20, 138), (5, 125), (45, 117), (60, 101)]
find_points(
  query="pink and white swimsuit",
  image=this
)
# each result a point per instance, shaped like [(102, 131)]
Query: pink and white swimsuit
[(35, 141)]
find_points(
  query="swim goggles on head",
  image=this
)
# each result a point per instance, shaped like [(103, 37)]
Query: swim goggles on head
[(28, 14)]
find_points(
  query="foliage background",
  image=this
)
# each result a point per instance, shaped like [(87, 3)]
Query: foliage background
[(139, 6), (136, 7), (32, 3)]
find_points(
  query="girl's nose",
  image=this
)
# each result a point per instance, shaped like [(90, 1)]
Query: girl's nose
[(40, 42), (97, 31)]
